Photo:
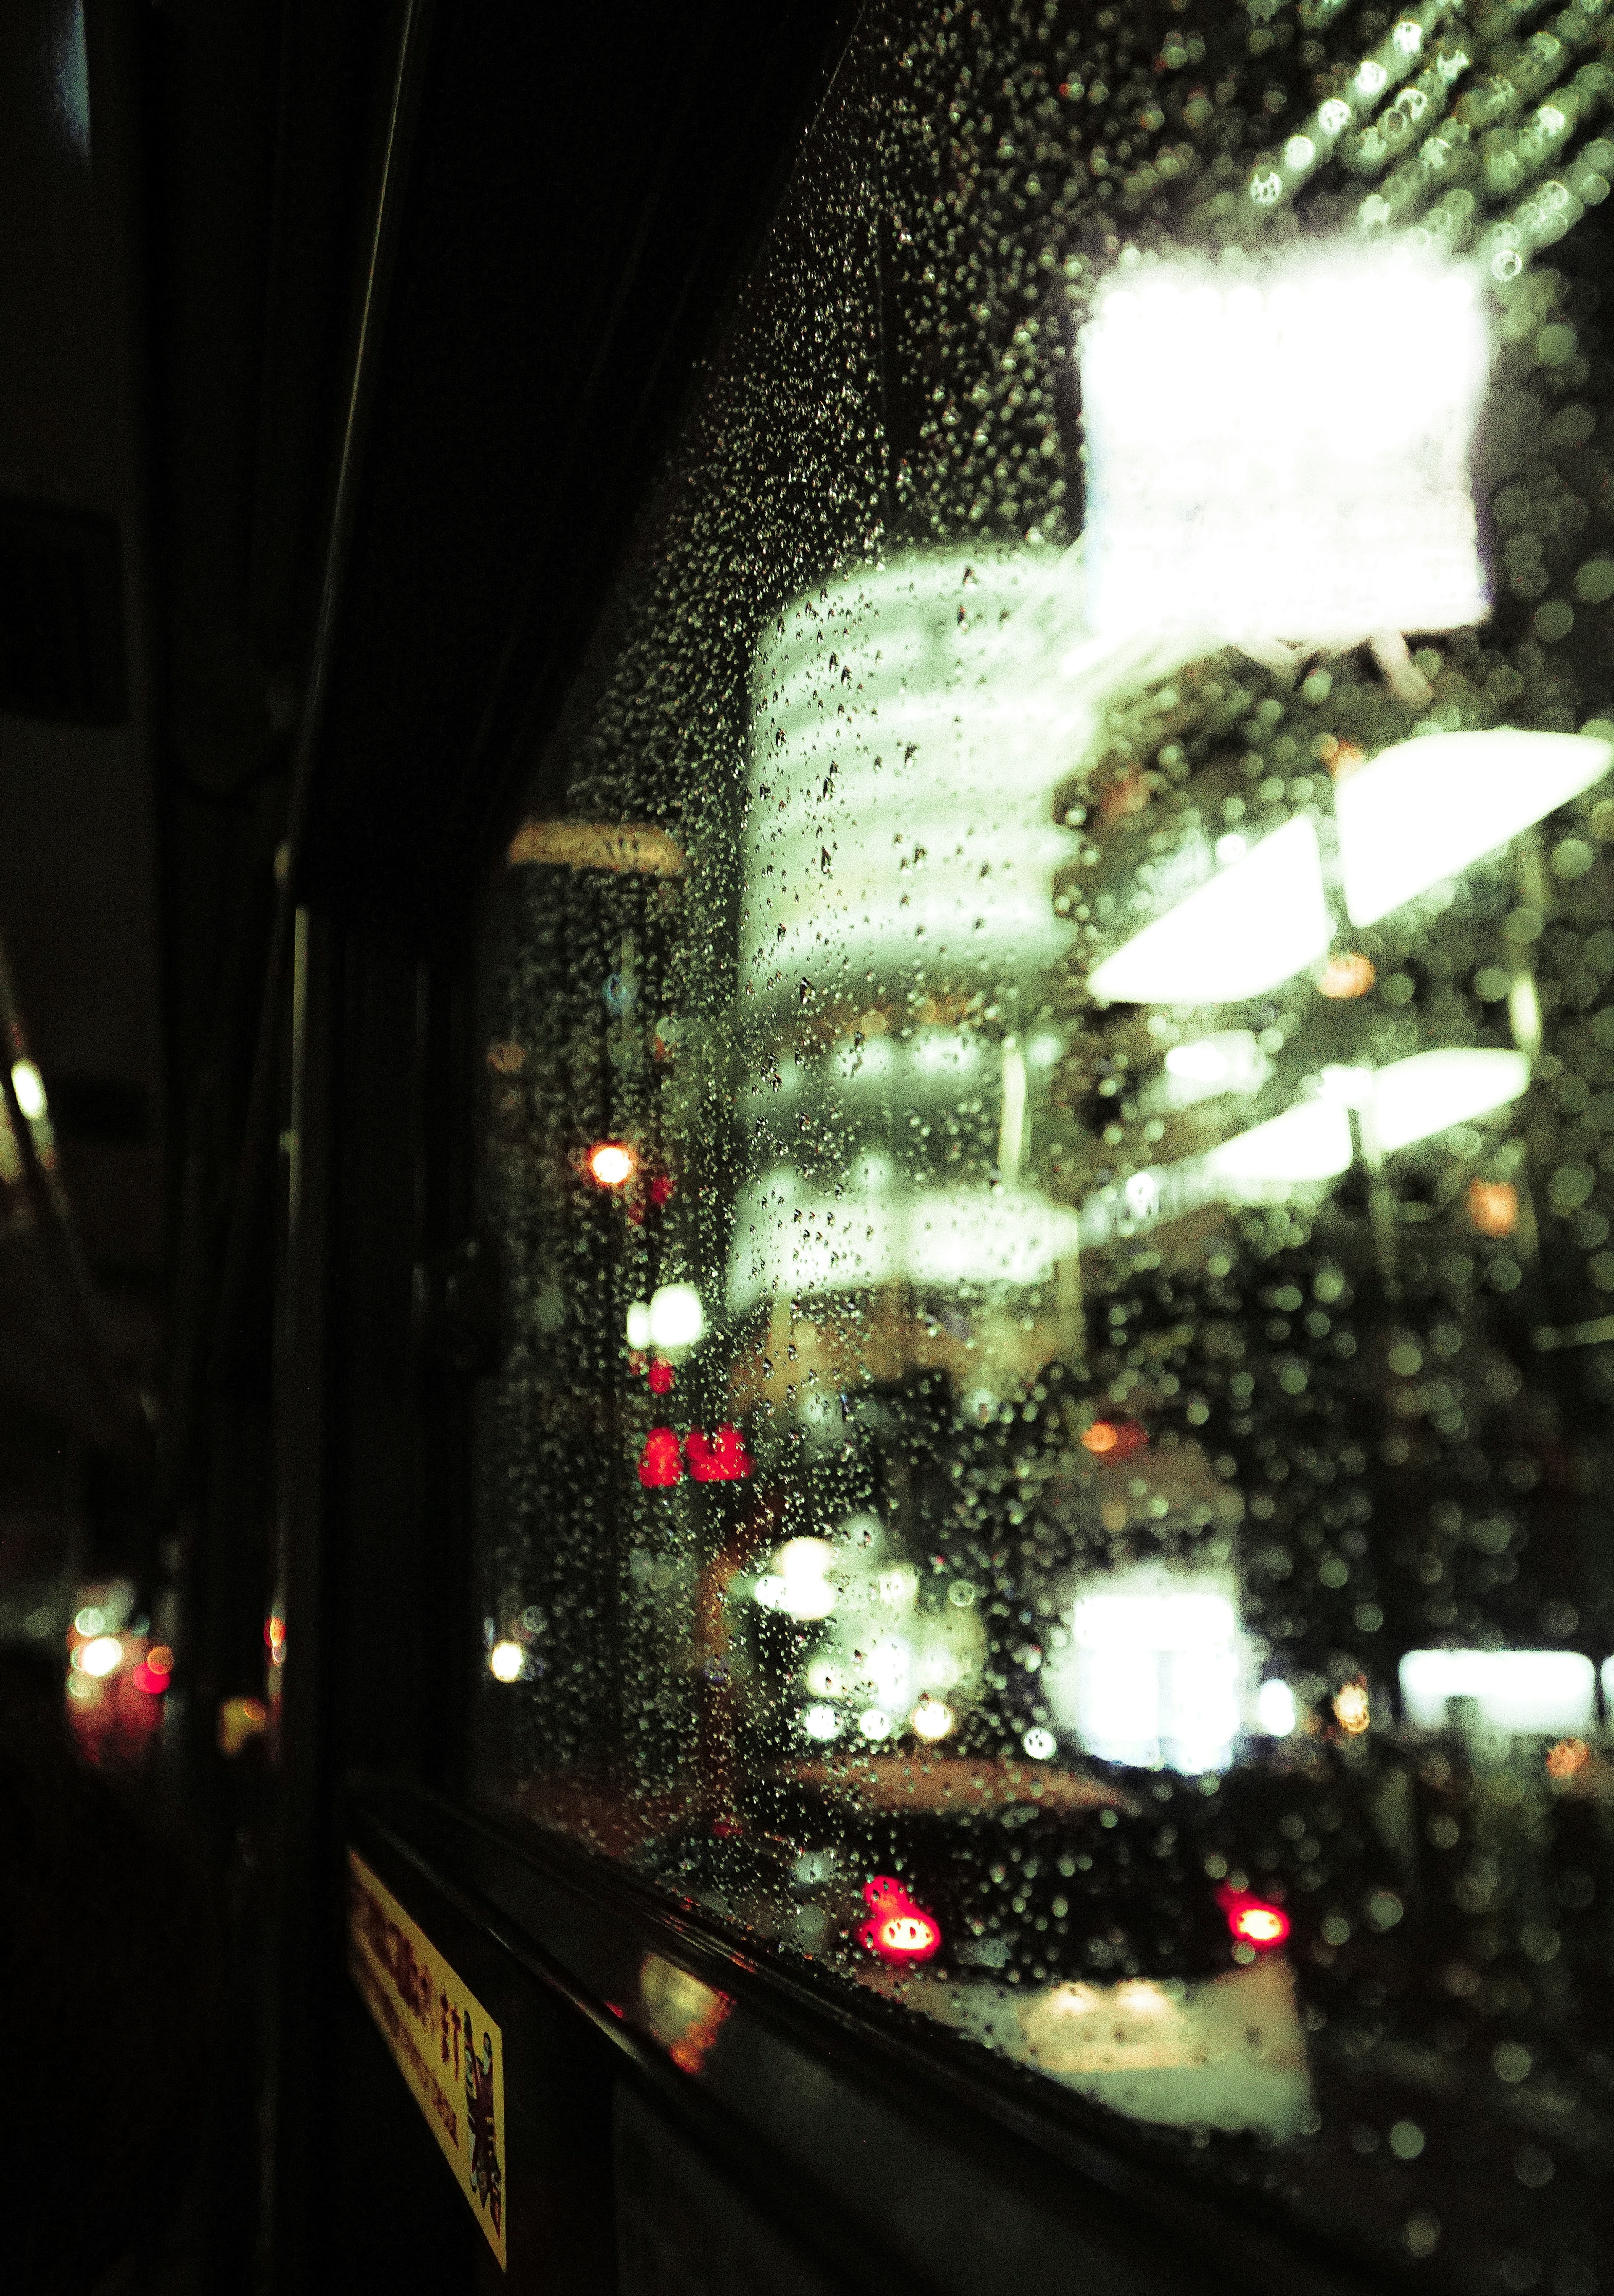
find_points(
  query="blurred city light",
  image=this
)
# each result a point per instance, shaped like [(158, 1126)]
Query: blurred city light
[(1246, 482), (1247, 929), (1416, 1099), (1516, 1690), (1347, 974), (1152, 1672), (240, 1721), (1230, 1060), (28, 1085), (1114, 1440), (720, 1457), (101, 1655), (1352, 1709), (662, 1461), (1275, 1709), (933, 1719), (612, 1164), (1252, 1920), (1567, 1757), (506, 1661), (905, 777), (676, 1319), (791, 1239), (1426, 808), (799, 1581), (898, 1930), (1493, 1206), (1308, 1143)]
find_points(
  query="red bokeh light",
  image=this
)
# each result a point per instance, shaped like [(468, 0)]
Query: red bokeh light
[(660, 1462), (660, 1379), (897, 1929), (720, 1458), (1252, 1920)]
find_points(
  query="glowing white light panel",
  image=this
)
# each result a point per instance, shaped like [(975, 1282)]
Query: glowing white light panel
[(1512, 1690), (1416, 1098), (1428, 807), (1249, 928), (791, 1238), (907, 732), (1152, 1673), (1280, 450)]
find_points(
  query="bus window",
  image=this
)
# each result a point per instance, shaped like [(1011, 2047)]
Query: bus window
[(1047, 1104)]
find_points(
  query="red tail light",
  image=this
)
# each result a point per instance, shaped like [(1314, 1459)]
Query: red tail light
[(1252, 1920), (897, 1929)]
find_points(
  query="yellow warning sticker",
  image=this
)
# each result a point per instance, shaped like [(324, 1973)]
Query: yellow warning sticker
[(448, 2047)]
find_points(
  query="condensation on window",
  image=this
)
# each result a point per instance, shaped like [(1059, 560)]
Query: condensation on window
[(1048, 1112)]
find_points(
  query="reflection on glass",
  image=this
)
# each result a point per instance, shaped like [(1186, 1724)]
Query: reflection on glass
[(1062, 1485), (684, 2015)]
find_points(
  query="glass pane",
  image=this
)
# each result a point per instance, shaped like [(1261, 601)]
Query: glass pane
[(1049, 1111)]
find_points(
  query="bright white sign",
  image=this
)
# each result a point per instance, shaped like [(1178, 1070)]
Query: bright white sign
[(1512, 1690), (1280, 450)]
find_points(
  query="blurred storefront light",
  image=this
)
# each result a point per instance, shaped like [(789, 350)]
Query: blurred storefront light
[(791, 1238), (936, 817), (1512, 1690), (1245, 930), (1428, 809), (1152, 1672), (1246, 482)]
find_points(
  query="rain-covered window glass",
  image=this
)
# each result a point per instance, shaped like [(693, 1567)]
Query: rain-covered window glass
[(1048, 1110)]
